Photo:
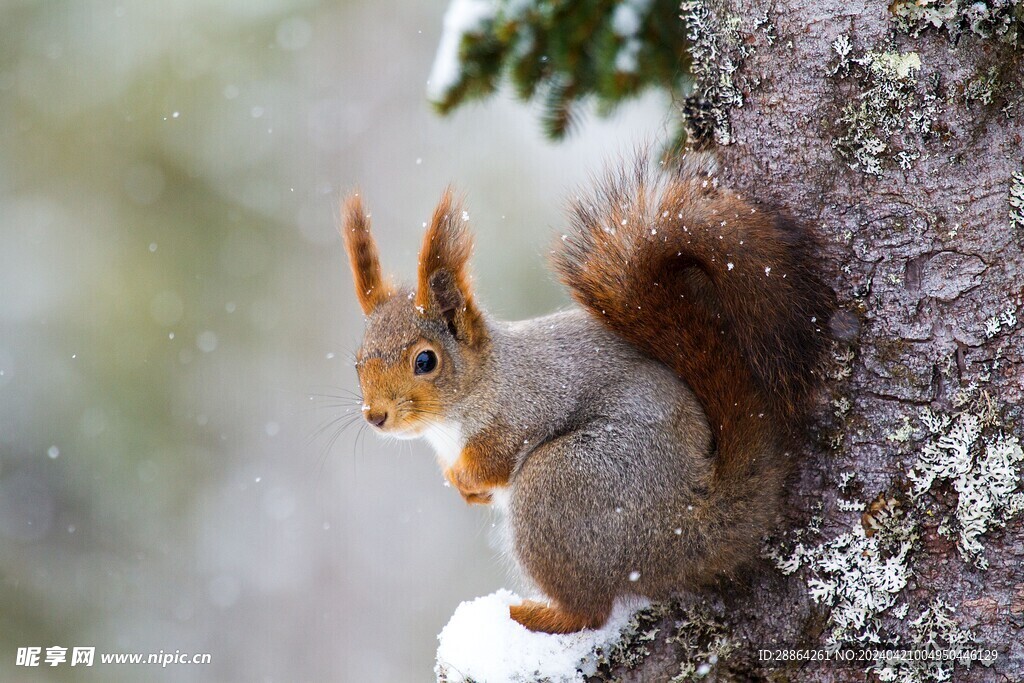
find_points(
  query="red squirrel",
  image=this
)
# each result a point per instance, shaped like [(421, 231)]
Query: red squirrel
[(639, 441)]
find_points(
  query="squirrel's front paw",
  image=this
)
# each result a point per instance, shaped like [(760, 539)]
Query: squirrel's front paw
[(473, 491)]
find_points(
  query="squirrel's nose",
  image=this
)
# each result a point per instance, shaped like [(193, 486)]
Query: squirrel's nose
[(377, 418)]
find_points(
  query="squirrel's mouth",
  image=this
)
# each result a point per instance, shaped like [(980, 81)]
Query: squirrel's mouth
[(404, 427), (402, 420), (405, 433)]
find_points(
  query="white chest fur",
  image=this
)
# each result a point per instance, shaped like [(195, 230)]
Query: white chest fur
[(447, 440), (501, 498)]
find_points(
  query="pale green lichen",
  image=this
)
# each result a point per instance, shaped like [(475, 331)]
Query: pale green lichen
[(842, 364), (858, 574), (901, 65), (902, 433), (975, 455), (933, 631), (1017, 200), (715, 53), (701, 641), (764, 23), (841, 406), (843, 49), (883, 123), (984, 472), (630, 650), (1002, 321), (850, 505), (1002, 20), (983, 88)]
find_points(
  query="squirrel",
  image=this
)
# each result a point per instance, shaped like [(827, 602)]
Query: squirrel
[(638, 442)]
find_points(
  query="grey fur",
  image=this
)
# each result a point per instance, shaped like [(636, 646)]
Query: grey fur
[(614, 456)]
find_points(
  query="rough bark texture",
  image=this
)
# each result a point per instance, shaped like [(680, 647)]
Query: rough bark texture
[(924, 256)]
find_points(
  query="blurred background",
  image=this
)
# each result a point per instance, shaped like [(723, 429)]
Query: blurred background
[(177, 324)]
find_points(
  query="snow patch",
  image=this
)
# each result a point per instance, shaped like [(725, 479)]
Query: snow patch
[(627, 58), (629, 16), (463, 17), (482, 643)]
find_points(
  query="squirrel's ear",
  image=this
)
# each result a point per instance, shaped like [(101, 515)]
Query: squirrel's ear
[(443, 286), (371, 287)]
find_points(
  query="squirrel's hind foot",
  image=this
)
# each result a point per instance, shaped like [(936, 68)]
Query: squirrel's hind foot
[(538, 616)]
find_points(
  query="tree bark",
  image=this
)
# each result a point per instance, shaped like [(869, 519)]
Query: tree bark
[(920, 247)]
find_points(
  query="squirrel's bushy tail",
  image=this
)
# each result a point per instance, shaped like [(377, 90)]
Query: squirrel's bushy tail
[(720, 289)]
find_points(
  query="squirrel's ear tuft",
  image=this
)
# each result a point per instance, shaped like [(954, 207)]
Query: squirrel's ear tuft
[(443, 286), (371, 287)]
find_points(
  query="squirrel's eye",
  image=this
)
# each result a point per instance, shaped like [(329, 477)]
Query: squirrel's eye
[(425, 362)]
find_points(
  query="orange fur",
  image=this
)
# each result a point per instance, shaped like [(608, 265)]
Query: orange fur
[(443, 282), (484, 464), (371, 287), (464, 480), (538, 616), (392, 388)]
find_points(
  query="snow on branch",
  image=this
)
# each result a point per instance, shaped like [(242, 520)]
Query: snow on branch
[(482, 643)]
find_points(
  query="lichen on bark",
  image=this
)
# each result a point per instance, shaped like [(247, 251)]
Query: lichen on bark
[(928, 254)]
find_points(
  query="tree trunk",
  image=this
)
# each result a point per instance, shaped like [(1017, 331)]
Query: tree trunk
[(900, 151)]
